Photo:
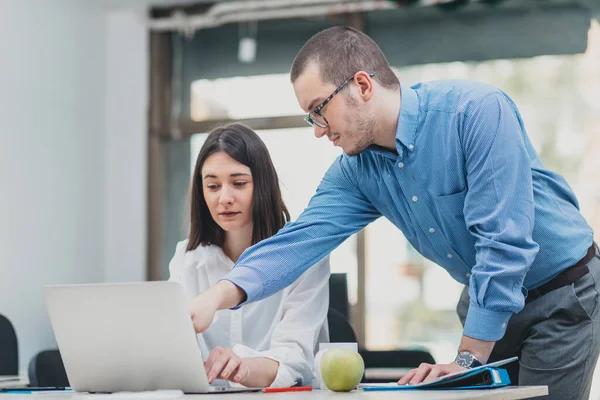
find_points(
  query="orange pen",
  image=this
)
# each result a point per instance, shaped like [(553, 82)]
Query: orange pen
[(288, 389)]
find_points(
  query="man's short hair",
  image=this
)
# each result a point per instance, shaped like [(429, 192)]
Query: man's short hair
[(342, 51)]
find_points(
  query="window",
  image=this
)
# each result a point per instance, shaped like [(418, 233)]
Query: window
[(409, 300)]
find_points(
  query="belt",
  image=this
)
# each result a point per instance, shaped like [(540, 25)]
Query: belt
[(566, 277)]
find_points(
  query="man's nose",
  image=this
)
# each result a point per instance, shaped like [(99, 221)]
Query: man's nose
[(319, 132)]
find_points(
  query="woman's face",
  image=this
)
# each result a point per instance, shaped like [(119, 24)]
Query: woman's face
[(228, 188)]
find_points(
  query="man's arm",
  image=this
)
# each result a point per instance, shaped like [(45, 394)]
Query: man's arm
[(499, 212), (481, 349), (221, 295), (426, 372), (336, 211)]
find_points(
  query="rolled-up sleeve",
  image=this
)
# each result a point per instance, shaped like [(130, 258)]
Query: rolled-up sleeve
[(499, 213)]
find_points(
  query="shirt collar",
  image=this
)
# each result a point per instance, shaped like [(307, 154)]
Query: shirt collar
[(407, 123), (223, 257)]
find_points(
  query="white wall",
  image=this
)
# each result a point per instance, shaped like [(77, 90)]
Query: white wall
[(72, 154), (126, 145)]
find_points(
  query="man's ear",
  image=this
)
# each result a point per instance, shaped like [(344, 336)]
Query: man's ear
[(365, 84)]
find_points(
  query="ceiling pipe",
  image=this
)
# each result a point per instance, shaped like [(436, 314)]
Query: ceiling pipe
[(245, 11), (241, 11)]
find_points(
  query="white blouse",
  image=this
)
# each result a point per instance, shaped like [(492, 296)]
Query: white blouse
[(285, 327)]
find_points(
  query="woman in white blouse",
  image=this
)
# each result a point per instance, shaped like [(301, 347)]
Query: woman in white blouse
[(235, 203)]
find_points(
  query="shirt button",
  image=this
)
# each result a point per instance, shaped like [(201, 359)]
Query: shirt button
[(410, 146), (400, 165), (503, 325), (468, 274), (431, 230), (449, 256), (414, 198)]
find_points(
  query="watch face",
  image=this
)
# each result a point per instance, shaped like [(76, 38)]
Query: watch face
[(464, 359)]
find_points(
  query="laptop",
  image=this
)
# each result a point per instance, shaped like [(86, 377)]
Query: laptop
[(117, 337)]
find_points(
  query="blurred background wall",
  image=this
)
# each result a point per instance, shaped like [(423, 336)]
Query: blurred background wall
[(73, 106)]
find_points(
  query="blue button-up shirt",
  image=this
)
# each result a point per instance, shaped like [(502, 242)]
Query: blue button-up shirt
[(466, 188)]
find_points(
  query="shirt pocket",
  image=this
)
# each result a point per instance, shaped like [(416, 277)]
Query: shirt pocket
[(452, 204), (451, 217)]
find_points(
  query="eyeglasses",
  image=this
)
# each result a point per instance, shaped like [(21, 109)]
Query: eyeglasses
[(315, 117)]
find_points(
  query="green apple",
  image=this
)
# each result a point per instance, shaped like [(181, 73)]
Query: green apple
[(341, 369)]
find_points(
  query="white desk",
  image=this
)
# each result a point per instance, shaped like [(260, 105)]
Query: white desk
[(13, 381), (389, 374), (509, 393)]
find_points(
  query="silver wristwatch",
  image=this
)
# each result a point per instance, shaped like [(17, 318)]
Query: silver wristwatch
[(466, 360)]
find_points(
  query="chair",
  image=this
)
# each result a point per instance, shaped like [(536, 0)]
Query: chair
[(47, 369), (340, 330), (9, 348), (393, 359), (338, 294)]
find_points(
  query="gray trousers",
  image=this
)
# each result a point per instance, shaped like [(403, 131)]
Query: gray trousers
[(556, 337)]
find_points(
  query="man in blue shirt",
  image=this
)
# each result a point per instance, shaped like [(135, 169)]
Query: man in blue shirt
[(450, 164)]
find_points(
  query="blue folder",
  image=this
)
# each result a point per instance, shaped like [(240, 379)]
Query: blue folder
[(486, 378), (483, 377)]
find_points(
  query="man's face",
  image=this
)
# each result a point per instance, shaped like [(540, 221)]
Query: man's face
[(350, 124)]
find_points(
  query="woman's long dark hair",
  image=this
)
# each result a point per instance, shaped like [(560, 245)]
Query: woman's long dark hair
[(269, 213)]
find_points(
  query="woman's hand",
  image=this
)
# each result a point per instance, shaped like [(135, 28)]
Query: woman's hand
[(251, 372), (225, 364)]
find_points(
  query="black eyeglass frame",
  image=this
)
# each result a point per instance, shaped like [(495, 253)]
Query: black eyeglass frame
[(317, 110)]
